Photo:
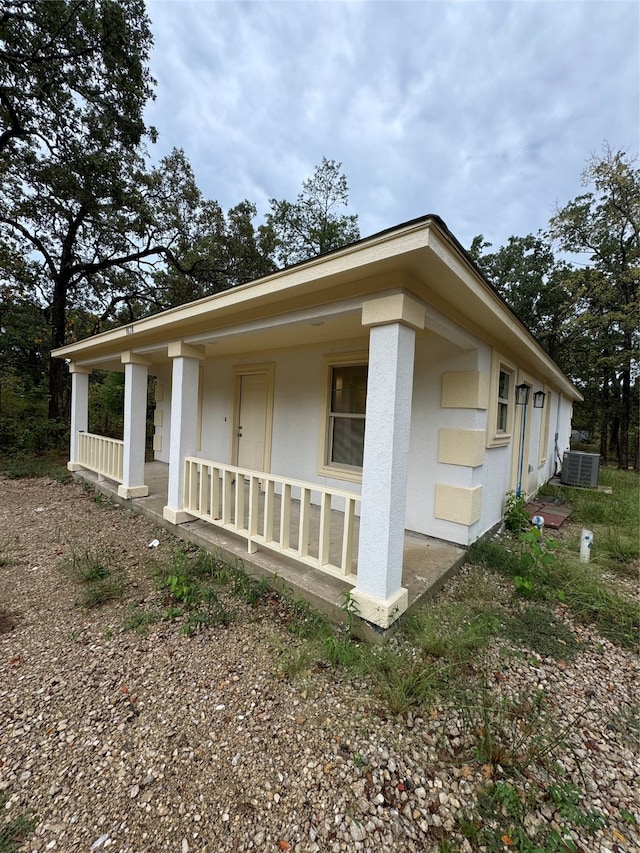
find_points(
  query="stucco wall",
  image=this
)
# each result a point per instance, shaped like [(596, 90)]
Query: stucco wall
[(478, 488)]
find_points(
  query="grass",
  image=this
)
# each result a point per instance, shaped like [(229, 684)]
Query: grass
[(21, 465), (584, 587)]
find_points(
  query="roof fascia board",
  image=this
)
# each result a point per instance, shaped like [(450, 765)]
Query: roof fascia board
[(456, 259)]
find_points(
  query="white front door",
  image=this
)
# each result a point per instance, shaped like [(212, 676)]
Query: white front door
[(251, 420)]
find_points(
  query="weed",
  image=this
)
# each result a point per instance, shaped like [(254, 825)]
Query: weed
[(592, 601), (181, 587), (494, 555), (305, 621), (627, 816), (99, 575), (454, 631), (13, 831), (341, 650), (566, 798), (498, 821), (170, 614), (539, 630), (214, 614), (349, 606), (626, 721), (249, 589), (538, 573), (516, 518), (296, 660), (400, 681), (6, 555), (139, 619)]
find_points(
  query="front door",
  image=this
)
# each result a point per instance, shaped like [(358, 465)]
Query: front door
[(252, 420)]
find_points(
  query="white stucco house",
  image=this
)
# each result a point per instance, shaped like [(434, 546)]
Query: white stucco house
[(376, 383)]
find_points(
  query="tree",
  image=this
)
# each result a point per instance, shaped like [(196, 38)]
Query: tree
[(534, 283), (88, 231), (71, 65), (604, 224), (218, 252), (310, 226)]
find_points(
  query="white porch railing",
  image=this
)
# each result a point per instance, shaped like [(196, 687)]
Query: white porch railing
[(103, 455), (276, 513)]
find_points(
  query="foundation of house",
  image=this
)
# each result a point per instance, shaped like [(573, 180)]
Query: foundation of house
[(427, 562)]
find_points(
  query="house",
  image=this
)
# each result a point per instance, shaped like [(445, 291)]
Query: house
[(374, 385)]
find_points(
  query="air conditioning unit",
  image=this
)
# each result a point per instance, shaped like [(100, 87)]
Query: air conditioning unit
[(580, 469)]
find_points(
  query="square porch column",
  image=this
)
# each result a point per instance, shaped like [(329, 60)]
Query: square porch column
[(79, 411), (393, 319), (183, 438), (136, 372)]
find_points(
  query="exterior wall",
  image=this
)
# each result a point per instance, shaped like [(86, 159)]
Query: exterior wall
[(448, 389), (453, 500), (298, 413)]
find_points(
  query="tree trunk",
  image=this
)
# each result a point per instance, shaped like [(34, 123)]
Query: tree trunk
[(604, 418), (625, 416), (614, 431), (57, 408)]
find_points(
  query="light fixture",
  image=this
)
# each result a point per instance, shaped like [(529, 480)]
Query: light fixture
[(522, 394), (538, 400)]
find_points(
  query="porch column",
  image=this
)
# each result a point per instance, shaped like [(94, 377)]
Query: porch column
[(79, 411), (393, 319), (136, 371), (183, 438)]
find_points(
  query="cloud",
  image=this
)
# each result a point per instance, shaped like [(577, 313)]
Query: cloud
[(482, 112)]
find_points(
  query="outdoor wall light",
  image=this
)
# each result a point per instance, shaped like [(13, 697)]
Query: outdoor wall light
[(522, 394), (538, 400)]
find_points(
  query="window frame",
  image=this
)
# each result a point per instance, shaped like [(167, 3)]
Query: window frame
[(543, 438), (326, 467), (501, 437)]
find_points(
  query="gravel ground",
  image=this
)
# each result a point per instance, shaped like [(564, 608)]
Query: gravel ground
[(133, 743)]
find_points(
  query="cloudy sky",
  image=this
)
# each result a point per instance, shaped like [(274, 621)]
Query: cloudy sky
[(484, 113)]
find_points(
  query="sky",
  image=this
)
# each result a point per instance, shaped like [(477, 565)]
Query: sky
[(484, 113)]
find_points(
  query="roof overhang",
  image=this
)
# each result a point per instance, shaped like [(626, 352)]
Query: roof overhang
[(321, 299)]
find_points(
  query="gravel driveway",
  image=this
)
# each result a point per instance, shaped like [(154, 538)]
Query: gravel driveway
[(123, 742)]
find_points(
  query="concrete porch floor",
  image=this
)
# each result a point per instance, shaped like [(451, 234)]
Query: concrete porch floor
[(427, 562)]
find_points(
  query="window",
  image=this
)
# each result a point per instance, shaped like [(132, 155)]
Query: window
[(504, 381), (346, 414), (501, 401), (544, 427), (346, 394)]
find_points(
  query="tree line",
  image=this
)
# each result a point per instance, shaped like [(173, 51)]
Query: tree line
[(93, 234), (575, 286)]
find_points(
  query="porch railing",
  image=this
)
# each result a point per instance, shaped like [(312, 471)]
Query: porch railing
[(276, 513), (103, 455)]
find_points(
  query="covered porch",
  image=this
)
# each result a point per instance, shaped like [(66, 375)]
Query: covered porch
[(427, 562)]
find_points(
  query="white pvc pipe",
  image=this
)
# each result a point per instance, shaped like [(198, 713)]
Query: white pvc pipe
[(586, 541)]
